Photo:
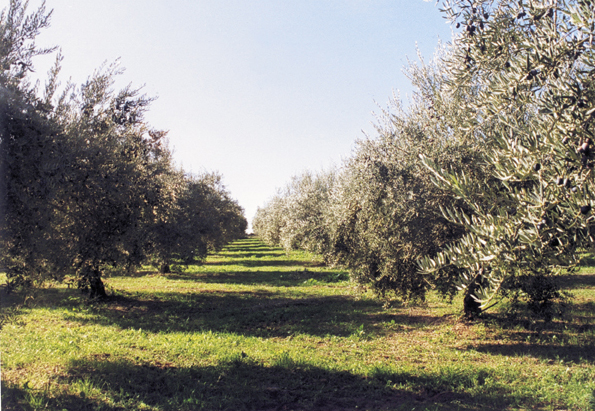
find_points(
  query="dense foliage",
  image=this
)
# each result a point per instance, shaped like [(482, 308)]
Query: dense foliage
[(380, 212), (87, 182), (295, 218), (532, 66), (483, 183), (204, 217), (387, 211)]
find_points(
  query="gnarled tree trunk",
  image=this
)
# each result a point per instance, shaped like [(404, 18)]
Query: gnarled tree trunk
[(90, 281), (96, 287), (164, 269), (471, 307)]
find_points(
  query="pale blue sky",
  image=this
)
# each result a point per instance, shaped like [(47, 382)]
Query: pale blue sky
[(258, 90)]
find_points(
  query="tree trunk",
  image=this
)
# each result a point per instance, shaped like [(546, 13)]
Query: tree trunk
[(164, 269), (96, 287), (471, 307), (90, 281)]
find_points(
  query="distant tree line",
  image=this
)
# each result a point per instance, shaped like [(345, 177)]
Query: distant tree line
[(86, 182), (483, 183)]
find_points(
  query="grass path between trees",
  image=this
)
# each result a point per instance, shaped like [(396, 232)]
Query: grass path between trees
[(255, 328)]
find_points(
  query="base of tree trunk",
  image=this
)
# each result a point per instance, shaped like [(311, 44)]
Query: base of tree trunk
[(96, 288), (164, 269), (471, 307), (90, 282)]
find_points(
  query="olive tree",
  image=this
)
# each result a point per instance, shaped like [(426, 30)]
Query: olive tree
[(307, 201), (222, 216), (532, 66), (386, 210), (297, 218), (30, 164), (111, 180), (202, 218), (269, 221), (380, 212)]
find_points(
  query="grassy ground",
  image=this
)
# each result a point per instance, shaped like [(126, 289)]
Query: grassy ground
[(255, 328)]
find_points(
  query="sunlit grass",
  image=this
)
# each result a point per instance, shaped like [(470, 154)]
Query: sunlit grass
[(256, 328)]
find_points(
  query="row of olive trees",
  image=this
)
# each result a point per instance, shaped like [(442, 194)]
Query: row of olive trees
[(483, 182), (380, 212), (295, 216), (86, 182)]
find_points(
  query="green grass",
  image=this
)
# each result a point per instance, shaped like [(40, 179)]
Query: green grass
[(257, 329)]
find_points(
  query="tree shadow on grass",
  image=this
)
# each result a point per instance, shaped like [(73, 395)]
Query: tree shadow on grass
[(250, 245), (570, 339), (570, 281), (242, 248), (266, 263), (261, 314), (240, 383), (291, 278), (572, 352), (250, 315), (575, 318), (244, 255)]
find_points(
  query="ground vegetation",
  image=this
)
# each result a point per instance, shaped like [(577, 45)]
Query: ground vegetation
[(255, 327)]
